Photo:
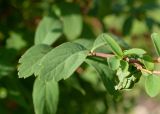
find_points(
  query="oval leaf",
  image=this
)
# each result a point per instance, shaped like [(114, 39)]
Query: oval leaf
[(62, 61), (45, 96), (134, 51), (156, 41), (48, 31), (124, 65), (30, 59), (152, 85), (113, 62), (72, 20)]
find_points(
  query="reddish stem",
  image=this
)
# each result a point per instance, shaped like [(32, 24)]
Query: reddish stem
[(137, 63)]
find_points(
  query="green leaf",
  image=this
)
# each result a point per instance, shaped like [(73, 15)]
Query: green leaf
[(15, 41), (152, 85), (134, 51), (61, 62), (100, 41), (72, 20), (120, 41), (45, 96), (106, 74), (156, 41), (113, 62), (148, 62), (104, 39), (124, 65), (28, 61), (72, 26), (48, 31)]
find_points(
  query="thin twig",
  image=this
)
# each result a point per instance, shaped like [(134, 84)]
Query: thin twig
[(136, 63), (102, 55), (106, 55), (139, 67)]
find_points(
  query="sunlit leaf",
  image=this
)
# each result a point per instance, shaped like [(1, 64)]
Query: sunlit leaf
[(134, 51), (61, 61), (30, 59)]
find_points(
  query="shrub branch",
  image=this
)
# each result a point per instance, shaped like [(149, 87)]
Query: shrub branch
[(136, 62)]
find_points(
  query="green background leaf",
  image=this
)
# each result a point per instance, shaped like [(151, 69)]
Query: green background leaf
[(15, 41), (45, 96), (152, 85), (156, 41), (48, 31), (72, 20)]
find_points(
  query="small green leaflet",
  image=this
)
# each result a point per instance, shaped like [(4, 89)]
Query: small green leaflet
[(152, 85), (45, 96), (48, 31), (120, 41), (100, 41), (61, 61), (148, 62), (105, 39), (113, 62), (28, 61), (124, 65), (134, 51), (156, 41)]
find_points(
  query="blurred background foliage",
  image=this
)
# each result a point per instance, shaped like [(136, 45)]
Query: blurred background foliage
[(84, 93)]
